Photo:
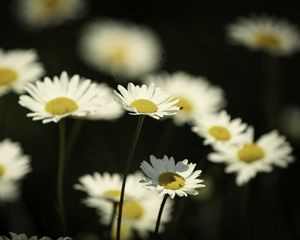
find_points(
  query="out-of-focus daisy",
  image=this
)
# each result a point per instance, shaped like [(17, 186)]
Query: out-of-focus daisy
[(166, 177), (108, 109), (146, 100), (195, 94), (44, 13), (14, 236), (139, 203), (219, 128), (289, 121), (122, 49), (251, 157), (275, 36), (17, 68), (52, 100)]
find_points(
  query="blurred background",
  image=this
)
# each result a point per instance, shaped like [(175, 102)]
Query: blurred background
[(193, 38)]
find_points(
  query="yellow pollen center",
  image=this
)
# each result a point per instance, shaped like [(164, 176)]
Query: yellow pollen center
[(250, 153), (7, 76), (61, 106), (132, 210), (171, 180), (144, 106), (51, 4), (118, 55), (268, 40), (2, 170), (184, 104), (219, 133)]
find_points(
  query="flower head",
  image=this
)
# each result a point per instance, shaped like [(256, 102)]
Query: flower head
[(195, 95), (274, 36), (146, 100), (17, 68), (52, 100), (250, 156), (121, 49), (14, 236), (166, 177)]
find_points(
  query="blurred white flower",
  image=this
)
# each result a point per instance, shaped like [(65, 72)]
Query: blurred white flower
[(290, 122), (122, 49), (250, 157), (219, 129), (166, 177), (146, 100), (197, 97), (272, 35), (14, 236), (44, 13), (53, 100), (17, 68)]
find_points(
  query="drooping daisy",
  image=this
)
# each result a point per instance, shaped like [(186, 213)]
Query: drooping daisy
[(139, 203), (109, 109), (195, 94), (17, 68), (44, 13), (274, 36), (251, 157), (144, 100), (14, 236), (166, 177), (219, 129), (52, 100), (122, 49)]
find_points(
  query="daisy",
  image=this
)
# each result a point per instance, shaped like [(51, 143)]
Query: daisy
[(166, 177), (219, 128), (146, 100), (14, 236), (274, 36), (122, 49), (195, 94), (52, 100), (139, 203), (17, 68), (250, 156), (44, 13), (109, 109)]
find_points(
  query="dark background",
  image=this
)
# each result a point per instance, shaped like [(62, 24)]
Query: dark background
[(193, 37)]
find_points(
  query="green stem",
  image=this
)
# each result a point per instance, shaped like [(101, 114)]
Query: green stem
[(112, 219), (60, 173), (76, 128), (244, 210), (159, 216), (126, 171)]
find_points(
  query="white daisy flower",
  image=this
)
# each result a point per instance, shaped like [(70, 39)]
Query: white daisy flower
[(122, 49), (166, 177), (52, 100), (195, 94), (219, 129), (17, 68), (14, 236), (44, 13), (251, 157), (272, 35), (139, 204), (109, 109), (144, 100)]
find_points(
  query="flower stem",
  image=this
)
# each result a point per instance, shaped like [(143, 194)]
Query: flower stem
[(75, 131), (126, 170), (113, 215), (159, 216), (60, 174)]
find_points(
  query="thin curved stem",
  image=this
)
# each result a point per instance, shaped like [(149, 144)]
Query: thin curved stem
[(126, 170), (159, 216)]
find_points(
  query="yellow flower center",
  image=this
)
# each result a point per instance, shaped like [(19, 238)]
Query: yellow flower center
[(61, 106), (268, 40), (132, 210), (7, 76), (117, 55), (113, 193), (2, 170), (144, 106), (219, 133), (184, 104), (250, 153), (171, 180)]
